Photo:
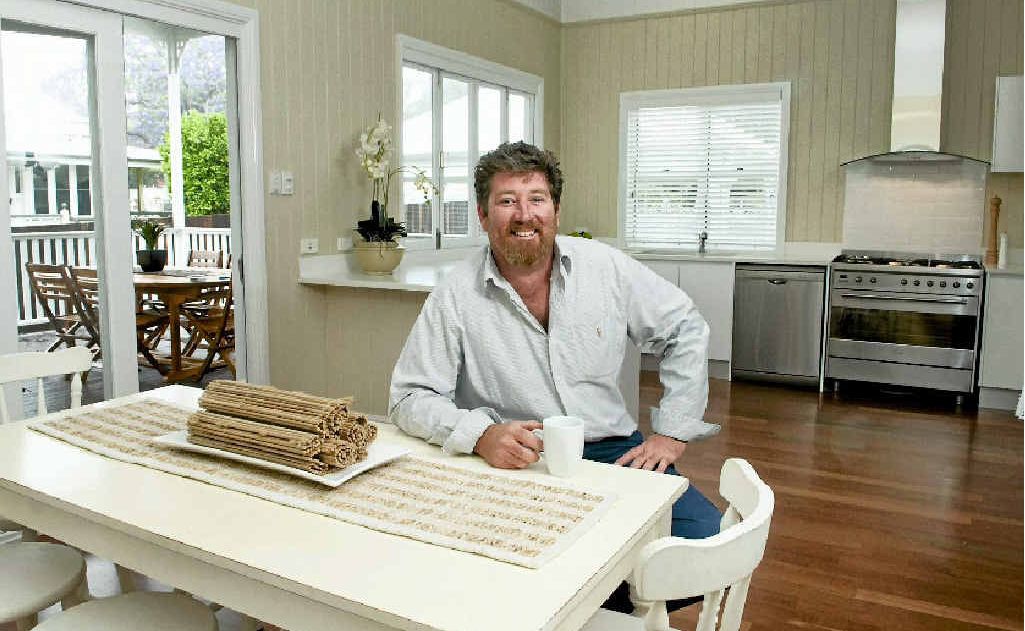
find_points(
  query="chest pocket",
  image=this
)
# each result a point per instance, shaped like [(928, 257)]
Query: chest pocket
[(598, 337)]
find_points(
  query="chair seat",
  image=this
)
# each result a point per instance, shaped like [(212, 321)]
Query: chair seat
[(605, 620), (33, 576), (152, 611)]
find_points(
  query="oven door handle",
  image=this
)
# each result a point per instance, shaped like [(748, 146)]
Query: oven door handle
[(946, 301)]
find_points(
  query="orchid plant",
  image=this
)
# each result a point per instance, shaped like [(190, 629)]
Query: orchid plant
[(374, 151)]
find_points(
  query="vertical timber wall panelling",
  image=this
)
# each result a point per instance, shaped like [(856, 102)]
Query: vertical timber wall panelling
[(984, 40), (327, 70), (837, 54)]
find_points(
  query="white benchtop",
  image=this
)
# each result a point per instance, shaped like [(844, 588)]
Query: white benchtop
[(422, 270)]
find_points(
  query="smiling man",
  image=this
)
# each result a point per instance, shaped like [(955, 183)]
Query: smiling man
[(535, 325)]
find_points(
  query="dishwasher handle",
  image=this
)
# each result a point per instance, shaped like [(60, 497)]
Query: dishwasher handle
[(777, 281)]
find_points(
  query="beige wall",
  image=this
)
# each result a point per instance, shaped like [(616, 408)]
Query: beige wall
[(838, 56), (327, 69), (984, 40)]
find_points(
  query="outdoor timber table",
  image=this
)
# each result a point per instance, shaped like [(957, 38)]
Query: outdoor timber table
[(175, 287), (304, 571)]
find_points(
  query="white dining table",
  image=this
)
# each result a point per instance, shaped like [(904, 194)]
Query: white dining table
[(304, 571)]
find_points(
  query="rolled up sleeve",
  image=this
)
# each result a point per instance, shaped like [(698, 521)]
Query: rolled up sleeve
[(662, 319)]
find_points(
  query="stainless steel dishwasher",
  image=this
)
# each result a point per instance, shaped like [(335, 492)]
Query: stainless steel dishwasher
[(777, 322)]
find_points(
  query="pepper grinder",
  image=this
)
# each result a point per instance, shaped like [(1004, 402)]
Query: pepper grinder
[(994, 222)]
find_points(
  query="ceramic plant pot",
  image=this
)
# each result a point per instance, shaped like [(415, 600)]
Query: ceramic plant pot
[(151, 260), (378, 258)]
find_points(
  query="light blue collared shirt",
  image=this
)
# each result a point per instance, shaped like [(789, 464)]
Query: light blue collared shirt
[(477, 356)]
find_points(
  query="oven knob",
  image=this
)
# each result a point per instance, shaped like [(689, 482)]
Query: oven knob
[(929, 283), (872, 280), (957, 283), (970, 285), (857, 279), (917, 283), (903, 281), (943, 283)]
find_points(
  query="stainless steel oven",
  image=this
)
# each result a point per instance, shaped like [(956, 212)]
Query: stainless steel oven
[(913, 322)]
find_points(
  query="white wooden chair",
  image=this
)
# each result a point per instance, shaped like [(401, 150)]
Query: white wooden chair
[(717, 567), (17, 367), (153, 611)]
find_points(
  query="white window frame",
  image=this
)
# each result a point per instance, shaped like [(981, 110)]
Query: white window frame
[(463, 66), (707, 95)]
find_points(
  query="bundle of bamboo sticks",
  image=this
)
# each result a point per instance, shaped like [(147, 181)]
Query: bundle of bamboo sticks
[(300, 430)]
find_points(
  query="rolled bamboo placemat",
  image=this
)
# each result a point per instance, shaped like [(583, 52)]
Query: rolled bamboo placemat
[(306, 464), (270, 436), (279, 407)]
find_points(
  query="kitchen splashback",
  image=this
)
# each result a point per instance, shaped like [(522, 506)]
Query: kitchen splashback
[(922, 207)]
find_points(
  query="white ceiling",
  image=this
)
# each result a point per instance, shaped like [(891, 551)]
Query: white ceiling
[(568, 11)]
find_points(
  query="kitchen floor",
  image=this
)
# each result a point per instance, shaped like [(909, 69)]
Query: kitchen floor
[(892, 511)]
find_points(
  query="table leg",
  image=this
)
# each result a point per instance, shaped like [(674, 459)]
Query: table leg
[(174, 303)]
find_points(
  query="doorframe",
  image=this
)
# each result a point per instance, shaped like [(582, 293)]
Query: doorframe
[(250, 258), (110, 162)]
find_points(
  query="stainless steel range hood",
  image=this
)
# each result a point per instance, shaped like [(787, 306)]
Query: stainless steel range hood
[(917, 84)]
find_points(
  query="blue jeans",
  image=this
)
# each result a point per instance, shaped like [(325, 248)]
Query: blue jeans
[(694, 517)]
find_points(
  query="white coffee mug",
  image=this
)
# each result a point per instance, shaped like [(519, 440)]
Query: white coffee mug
[(563, 438)]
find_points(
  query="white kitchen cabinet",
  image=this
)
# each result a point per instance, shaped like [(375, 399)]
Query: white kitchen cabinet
[(710, 286), (1007, 126), (668, 270), (1002, 333)]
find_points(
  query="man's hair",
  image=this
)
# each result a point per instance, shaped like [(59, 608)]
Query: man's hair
[(516, 157)]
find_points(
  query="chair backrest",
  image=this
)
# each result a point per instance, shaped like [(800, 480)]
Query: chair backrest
[(672, 568), (87, 288), (52, 287), (205, 258), (16, 367)]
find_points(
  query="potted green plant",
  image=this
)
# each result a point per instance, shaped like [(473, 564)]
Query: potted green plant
[(375, 240), (151, 259)]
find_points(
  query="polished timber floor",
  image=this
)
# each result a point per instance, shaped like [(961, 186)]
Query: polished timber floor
[(893, 511)]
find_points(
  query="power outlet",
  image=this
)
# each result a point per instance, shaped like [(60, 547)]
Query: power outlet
[(309, 246)]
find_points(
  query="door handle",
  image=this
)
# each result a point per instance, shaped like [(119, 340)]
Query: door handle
[(946, 301)]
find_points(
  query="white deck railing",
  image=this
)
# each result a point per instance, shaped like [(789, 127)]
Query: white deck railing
[(79, 249)]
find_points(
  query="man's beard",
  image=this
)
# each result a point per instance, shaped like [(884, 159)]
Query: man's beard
[(521, 253)]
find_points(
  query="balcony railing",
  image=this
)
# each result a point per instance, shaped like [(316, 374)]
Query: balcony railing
[(79, 249)]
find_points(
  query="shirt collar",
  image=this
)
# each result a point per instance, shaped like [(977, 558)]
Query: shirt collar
[(563, 255)]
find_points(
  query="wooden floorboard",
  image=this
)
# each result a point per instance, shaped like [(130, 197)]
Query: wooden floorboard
[(893, 510)]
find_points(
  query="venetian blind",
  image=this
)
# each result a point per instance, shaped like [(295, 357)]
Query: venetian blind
[(709, 161)]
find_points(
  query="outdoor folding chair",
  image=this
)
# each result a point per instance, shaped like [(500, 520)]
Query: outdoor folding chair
[(211, 321), (205, 258), (149, 325), (55, 292)]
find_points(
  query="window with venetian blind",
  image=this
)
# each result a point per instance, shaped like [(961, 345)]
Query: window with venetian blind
[(704, 161)]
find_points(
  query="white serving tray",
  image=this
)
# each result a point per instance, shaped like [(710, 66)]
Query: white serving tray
[(377, 454)]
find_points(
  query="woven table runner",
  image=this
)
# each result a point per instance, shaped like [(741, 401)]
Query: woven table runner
[(514, 520)]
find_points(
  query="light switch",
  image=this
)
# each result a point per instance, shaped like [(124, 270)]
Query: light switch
[(309, 246), (282, 183), (343, 244)]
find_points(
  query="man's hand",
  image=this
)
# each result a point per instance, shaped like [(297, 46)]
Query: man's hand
[(655, 453), (510, 445)]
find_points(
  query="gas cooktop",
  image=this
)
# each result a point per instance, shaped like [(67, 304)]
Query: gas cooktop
[(964, 262)]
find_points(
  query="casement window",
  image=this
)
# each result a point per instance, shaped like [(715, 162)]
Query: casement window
[(704, 161), (456, 107)]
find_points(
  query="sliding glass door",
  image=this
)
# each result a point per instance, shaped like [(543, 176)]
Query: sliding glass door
[(107, 123)]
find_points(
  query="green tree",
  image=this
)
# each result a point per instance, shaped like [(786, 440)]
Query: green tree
[(204, 163)]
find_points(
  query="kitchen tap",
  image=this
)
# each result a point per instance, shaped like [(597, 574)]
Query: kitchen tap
[(701, 242)]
